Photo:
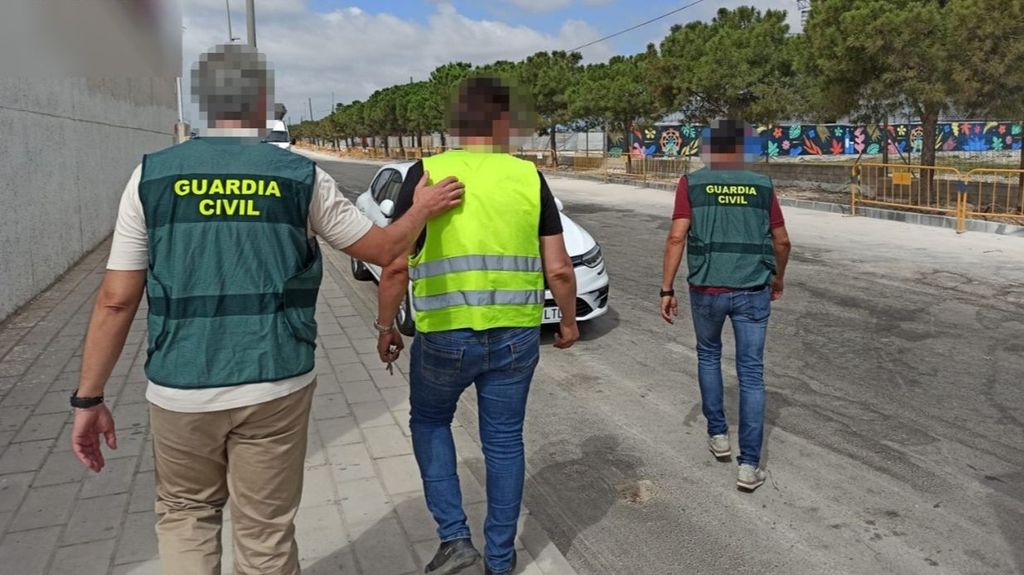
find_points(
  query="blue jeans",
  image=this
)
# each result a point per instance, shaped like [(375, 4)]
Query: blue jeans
[(501, 363), (749, 311)]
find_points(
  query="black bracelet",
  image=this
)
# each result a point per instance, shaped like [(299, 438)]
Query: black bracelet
[(85, 402), (668, 293)]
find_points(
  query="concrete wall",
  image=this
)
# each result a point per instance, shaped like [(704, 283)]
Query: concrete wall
[(67, 148)]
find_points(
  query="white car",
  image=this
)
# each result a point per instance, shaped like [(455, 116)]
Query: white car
[(277, 134), (378, 204)]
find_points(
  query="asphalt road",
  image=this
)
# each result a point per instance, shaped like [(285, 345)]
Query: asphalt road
[(895, 425)]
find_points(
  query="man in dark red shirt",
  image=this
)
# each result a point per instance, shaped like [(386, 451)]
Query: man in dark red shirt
[(729, 222)]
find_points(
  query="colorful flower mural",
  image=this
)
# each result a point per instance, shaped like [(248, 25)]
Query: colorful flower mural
[(832, 139)]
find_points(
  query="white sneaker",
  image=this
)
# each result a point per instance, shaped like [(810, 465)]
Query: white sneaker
[(720, 446), (749, 478)]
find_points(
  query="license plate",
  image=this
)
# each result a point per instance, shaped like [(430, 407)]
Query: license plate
[(552, 314)]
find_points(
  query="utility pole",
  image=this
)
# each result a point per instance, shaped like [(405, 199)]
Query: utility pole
[(250, 16), (231, 34), (310, 108)]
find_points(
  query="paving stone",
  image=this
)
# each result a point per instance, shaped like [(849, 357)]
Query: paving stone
[(360, 391), (402, 419), (151, 567), (326, 383), (132, 393), (318, 488), (319, 532), (84, 558), (351, 372), (11, 418), (42, 427), (400, 474), (384, 550), (363, 502), (96, 519), (330, 406), (63, 442), (13, 489), (5, 439), (130, 443), (115, 477), (372, 414), (143, 492), (24, 456), (387, 441), (13, 368), (131, 415), (147, 456), (364, 345), (397, 398), (329, 328), (60, 467), (339, 431), (341, 357), (45, 506), (28, 551), (385, 380), (416, 519), (53, 402), (350, 462), (339, 341), (138, 540), (341, 562)]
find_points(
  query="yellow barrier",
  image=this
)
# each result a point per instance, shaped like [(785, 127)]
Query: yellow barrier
[(918, 188), (994, 194)]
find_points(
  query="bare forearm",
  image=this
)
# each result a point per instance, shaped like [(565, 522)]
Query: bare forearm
[(781, 258), (403, 233), (673, 257), (562, 284), (104, 342), (392, 289)]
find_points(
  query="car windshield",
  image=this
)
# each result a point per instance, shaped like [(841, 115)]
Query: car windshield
[(277, 136)]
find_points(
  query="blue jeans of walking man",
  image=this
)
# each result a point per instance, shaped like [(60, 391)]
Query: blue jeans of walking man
[(749, 312), (501, 363)]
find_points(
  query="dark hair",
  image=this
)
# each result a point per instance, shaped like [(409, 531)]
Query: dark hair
[(479, 102), (727, 136)]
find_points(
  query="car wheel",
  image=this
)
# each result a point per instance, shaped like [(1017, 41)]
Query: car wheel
[(406, 324), (359, 271)]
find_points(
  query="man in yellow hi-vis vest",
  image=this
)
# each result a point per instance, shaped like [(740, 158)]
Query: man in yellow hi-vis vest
[(478, 278)]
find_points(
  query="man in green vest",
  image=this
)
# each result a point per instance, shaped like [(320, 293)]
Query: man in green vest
[(728, 220), (220, 232), (478, 278)]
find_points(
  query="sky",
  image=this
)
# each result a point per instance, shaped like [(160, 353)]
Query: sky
[(338, 51)]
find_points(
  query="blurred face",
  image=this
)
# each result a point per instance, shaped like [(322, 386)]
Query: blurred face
[(488, 112), (233, 85), (729, 145)]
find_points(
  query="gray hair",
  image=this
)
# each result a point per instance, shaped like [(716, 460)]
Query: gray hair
[(233, 82)]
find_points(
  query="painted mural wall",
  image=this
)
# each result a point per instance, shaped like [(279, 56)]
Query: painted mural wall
[(830, 139)]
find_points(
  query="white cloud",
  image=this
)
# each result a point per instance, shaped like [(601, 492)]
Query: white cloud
[(352, 53), (542, 5)]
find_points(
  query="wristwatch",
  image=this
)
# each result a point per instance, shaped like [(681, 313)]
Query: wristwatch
[(85, 402), (668, 293)]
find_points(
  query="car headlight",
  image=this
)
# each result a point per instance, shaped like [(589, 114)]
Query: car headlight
[(591, 259)]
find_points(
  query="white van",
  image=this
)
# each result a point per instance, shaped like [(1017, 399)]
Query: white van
[(277, 134)]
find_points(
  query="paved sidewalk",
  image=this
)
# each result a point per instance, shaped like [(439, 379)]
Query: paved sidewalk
[(362, 507)]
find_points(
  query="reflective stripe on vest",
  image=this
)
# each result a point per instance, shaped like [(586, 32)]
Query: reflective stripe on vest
[(479, 298), (472, 263)]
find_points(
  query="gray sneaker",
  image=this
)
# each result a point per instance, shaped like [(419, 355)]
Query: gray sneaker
[(720, 446), (452, 557), (749, 478)]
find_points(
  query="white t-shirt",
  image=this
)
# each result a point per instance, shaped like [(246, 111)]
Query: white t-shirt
[(331, 216)]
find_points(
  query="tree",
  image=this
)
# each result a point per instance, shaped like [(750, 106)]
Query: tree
[(548, 76), (860, 67), (444, 80), (615, 94), (739, 65), (988, 71)]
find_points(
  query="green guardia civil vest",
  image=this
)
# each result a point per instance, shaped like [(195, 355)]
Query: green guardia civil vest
[(233, 277), (730, 239), (480, 267)]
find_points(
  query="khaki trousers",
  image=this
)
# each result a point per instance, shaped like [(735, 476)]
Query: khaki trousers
[(253, 454)]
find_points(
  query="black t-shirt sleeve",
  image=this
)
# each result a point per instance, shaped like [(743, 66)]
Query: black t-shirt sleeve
[(550, 219), (405, 195)]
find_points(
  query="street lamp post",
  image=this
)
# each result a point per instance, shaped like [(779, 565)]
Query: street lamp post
[(250, 15), (231, 34)]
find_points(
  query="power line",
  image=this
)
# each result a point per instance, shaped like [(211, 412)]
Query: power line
[(640, 25)]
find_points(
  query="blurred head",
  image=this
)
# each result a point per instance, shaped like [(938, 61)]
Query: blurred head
[(729, 145), (234, 87), (487, 111)]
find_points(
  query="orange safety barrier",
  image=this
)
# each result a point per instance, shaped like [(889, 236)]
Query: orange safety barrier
[(997, 194)]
